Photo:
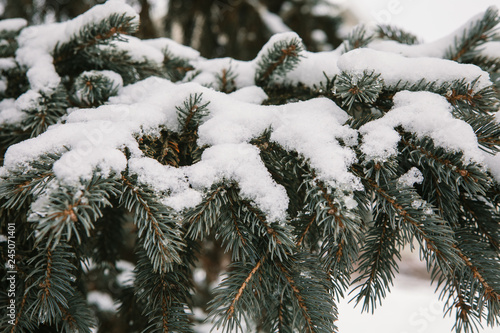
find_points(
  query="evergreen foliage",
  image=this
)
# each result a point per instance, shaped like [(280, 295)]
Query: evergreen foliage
[(147, 177)]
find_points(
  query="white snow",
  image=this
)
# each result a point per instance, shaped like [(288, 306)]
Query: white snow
[(396, 68), (411, 177), (36, 43), (425, 114), (250, 94), (179, 50), (9, 113), (102, 300), (241, 163), (96, 137), (14, 24), (136, 49), (7, 63)]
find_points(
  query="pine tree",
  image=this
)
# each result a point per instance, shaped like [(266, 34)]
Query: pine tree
[(140, 173)]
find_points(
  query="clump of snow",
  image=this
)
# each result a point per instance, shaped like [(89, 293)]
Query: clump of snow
[(492, 162), (213, 68), (251, 94), (426, 115), (103, 301), (92, 140), (9, 113), (170, 182), (179, 50), (314, 66), (136, 49), (7, 63), (395, 68), (36, 43), (241, 163), (126, 276), (14, 24), (411, 177)]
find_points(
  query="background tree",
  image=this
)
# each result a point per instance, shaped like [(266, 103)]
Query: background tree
[(131, 166), (239, 28)]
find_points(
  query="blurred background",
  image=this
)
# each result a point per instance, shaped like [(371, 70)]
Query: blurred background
[(238, 29)]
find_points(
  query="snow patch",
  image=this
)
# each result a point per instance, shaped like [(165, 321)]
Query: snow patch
[(426, 115), (395, 68)]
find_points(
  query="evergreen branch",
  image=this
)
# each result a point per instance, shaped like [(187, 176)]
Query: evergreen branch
[(396, 34), (490, 292), (19, 312), (66, 206), (165, 296), (432, 232), (353, 88), (52, 276), (377, 263), (176, 66), (93, 34), (306, 291), (478, 33), (357, 38), (191, 114), (226, 80), (157, 226), (279, 59), (21, 185), (164, 148), (300, 299), (238, 295), (201, 218), (46, 110), (299, 242)]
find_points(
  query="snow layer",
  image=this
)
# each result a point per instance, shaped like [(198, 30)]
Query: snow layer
[(97, 137), (14, 24), (9, 113), (425, 114), (395, 68)]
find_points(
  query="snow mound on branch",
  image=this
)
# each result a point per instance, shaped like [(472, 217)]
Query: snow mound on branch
[(426, 115), (435, 49), (9, 113), (37, 43), (94, 140), (14, 24), (395, 68)]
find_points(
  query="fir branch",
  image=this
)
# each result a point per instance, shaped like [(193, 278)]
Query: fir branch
[(21, 185), (357, 38), (230, 310), (52, 283), (175, 66), (377, 263), (279, 59), (352, 88), (93, 34), (200, 219), (238, 293), (158, 228), (191, 113), (226, 80), (45, 111), (396, 34), (478, 33), (298, 295), (165, 296), (68, 210)]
